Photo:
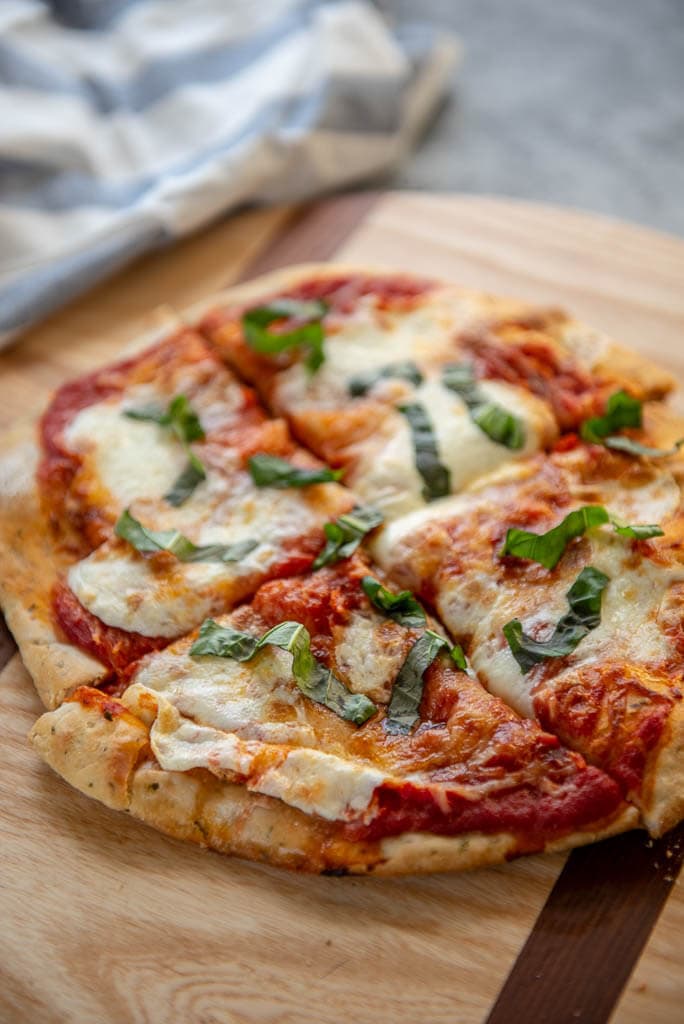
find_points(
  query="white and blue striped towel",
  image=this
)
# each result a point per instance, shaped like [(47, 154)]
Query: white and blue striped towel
[(127, 123)]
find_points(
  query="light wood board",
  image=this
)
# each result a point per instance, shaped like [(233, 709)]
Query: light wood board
[(104, 920)]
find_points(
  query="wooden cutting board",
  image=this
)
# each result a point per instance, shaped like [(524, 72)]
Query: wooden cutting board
[(106, 921)]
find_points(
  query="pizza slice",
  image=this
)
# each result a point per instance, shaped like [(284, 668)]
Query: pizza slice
[(328, 726), (416, 387), (161, 493), (563, 577)]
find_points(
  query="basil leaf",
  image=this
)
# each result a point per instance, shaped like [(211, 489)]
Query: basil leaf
[(501, 426), (584, 600), (407, 692), (547, 548), (636, 532), (138, 536), (309, 334), (184, 422), (224, 642), (435, 475), (178, 415), (271, 471), (362, 383), (622, 410), (184, 485), (402, 607), (627, 444), (346, 533), (497, 423), (313, 679)]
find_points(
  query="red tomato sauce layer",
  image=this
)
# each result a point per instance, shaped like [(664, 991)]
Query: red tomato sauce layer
[(534, 816), (115, 648), (608, 714), (570, 391)]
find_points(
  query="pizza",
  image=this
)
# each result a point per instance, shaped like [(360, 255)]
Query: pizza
[(353, 571)]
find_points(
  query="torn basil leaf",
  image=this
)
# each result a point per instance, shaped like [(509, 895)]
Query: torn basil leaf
[(184, 485), (500, 426), (308, 334), (637, 532), (584, 600), (138, 536), (314, 680), (178, 415), (183, 421), (497, 423), (402, 607), (271, 471), (362, 383), (436, 476), (547, 548), (622, 410), (344, 535), (407, 692), (632, 447)]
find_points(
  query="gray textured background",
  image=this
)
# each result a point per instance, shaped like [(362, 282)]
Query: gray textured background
[(578, 102)]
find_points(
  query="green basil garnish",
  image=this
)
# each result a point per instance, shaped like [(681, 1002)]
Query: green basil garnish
[(497, 423), (547, 548), (271, 471), (314, 680), (402, 607), (632, 447), (130, 529), (584, 600), (309, 334), (344, 535), (407, 692), (622, 410), (436, 476), (185, 484), (183, 421), (362, 383)]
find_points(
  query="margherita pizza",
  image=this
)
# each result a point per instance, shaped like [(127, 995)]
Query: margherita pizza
[(358, 573)]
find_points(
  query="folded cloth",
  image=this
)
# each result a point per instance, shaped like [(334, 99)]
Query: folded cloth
[(125, 124)]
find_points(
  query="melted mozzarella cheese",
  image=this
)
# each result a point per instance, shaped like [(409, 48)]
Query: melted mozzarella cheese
[(122, 588), (368, 654), (129, 457), (366, 341), (311, 780), (258, 700), (629, 630), (386, 474)]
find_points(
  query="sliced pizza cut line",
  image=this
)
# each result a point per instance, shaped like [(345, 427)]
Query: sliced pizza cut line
[(590, 645), (240, 722)]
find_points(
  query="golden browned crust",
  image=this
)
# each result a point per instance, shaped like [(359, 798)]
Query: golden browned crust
[(29, 566), (102, 749), (596, 351), (663, 804)]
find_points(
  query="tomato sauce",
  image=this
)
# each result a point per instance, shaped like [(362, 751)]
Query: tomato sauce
[(533, 815), (115, 648)]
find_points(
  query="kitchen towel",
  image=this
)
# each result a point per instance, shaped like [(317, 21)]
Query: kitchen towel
[(125, 124)]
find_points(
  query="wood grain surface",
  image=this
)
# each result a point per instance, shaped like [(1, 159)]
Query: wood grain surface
[(107, 921)]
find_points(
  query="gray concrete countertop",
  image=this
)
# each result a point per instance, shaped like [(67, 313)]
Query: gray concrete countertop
[(578, 103)]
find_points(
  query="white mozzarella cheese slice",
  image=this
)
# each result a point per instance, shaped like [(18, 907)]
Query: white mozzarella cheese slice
[(122, 589), (313, 781), (130, 457)]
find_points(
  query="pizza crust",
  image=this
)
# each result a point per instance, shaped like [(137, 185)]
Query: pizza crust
[(29, 568), (102, 749)]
